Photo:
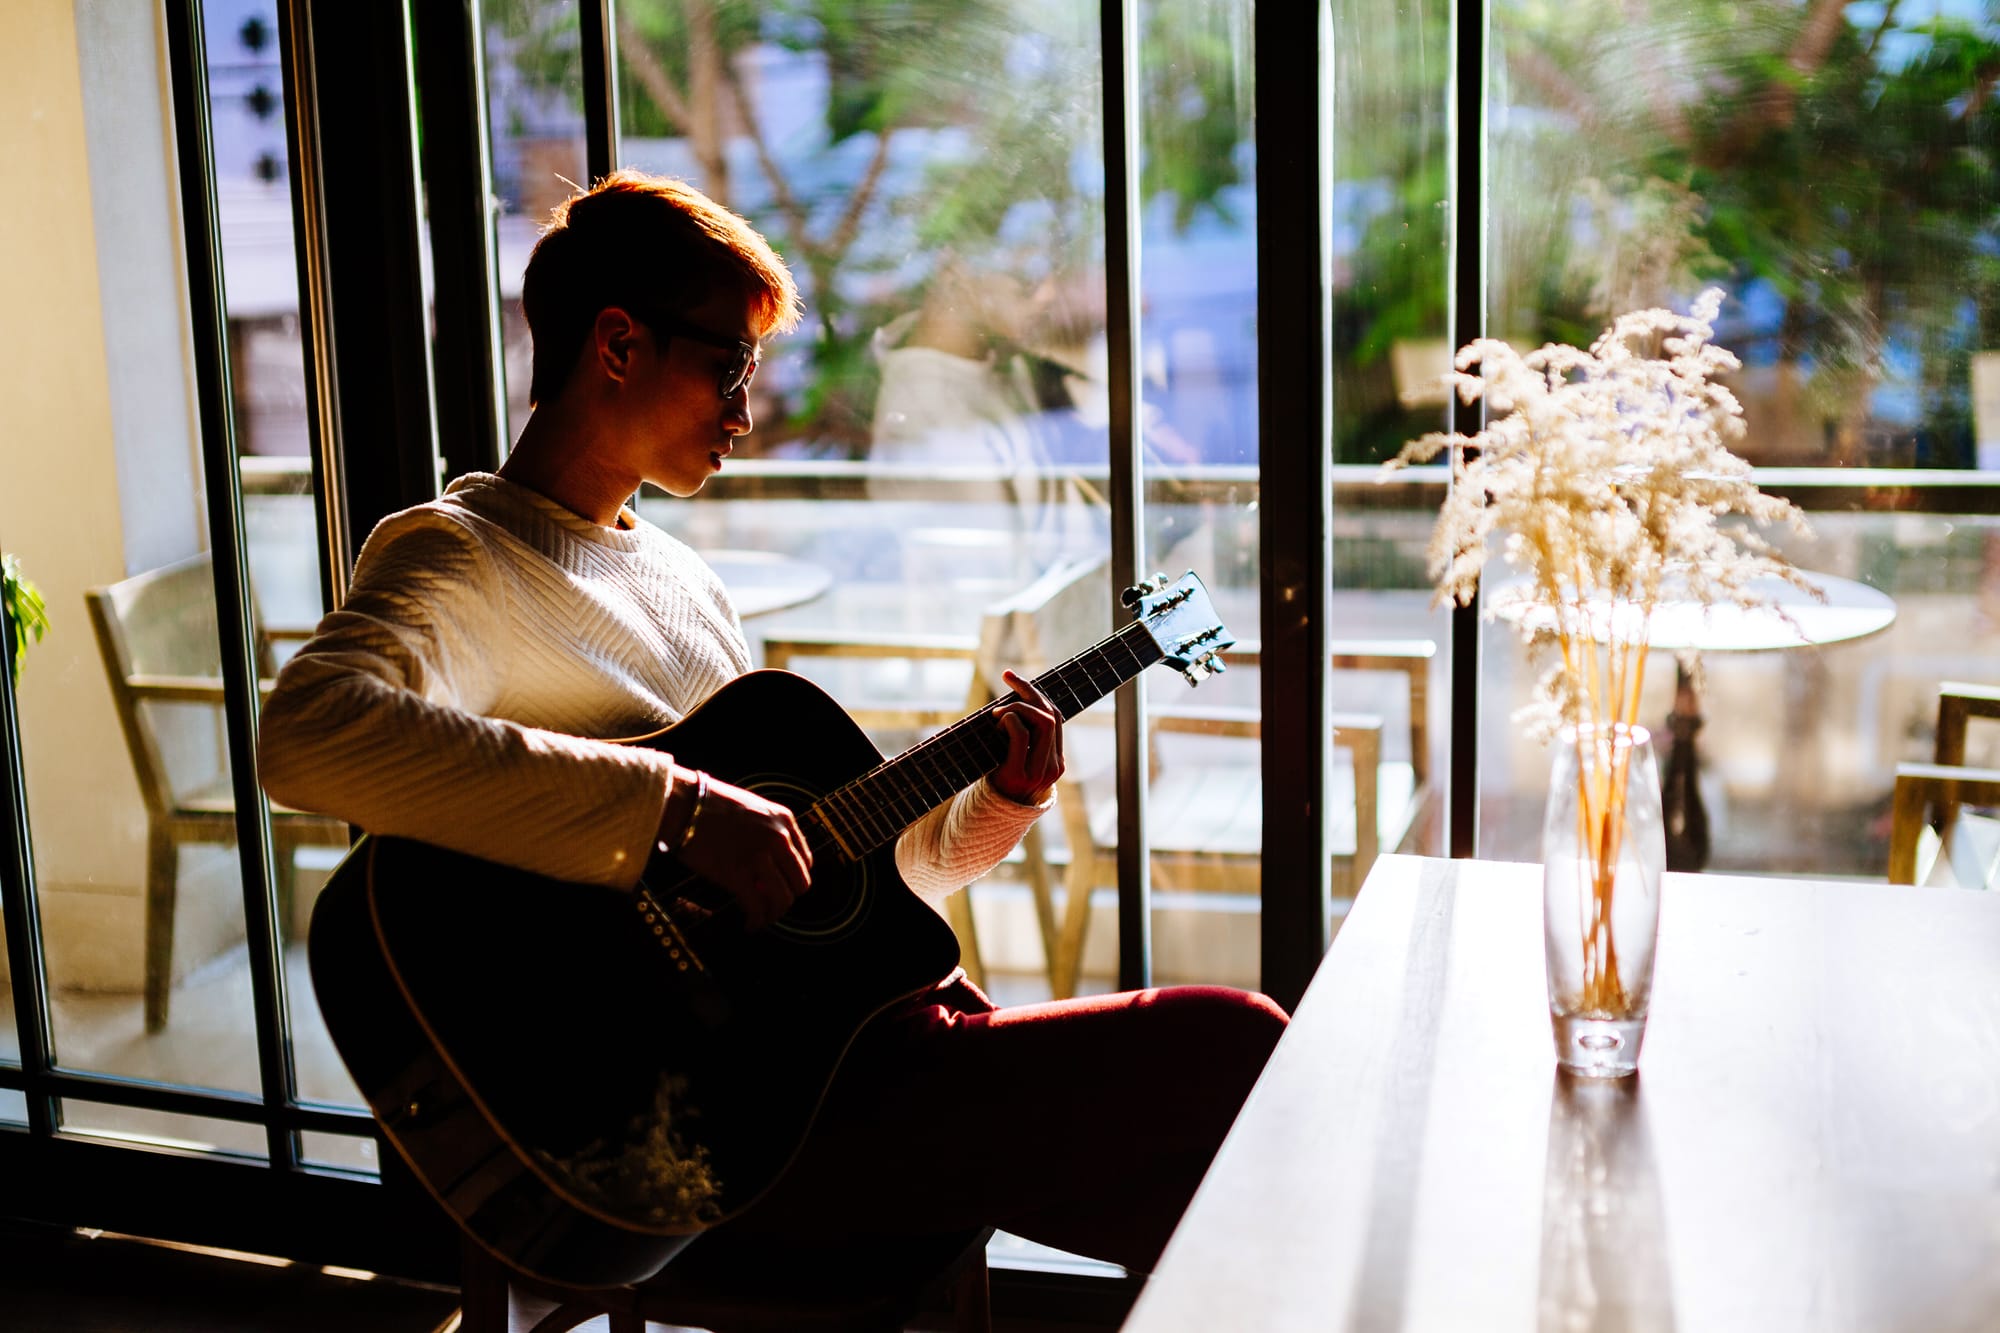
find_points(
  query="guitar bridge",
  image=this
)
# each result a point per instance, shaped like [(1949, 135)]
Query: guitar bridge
[(669, 934)]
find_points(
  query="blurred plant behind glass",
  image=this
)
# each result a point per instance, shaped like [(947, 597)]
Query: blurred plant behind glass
[(875, 140), (1831, 163), (27, 614)]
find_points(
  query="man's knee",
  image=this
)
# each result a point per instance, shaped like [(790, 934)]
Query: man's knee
[(1237, 1029)]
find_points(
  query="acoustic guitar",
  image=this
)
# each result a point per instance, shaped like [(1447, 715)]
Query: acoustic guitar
[(588, 1078)]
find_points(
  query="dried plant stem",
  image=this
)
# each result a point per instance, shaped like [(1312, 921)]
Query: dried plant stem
[(1613, 672)]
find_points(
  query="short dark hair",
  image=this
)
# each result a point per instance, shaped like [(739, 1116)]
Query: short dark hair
[(646, 244)]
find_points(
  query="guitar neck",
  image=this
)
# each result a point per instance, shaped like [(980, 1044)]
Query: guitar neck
[(873, 809)]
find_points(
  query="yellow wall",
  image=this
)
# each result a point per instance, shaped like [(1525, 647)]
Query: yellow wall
[(59, 509)]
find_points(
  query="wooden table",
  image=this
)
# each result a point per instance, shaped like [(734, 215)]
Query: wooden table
[(1812, 1142)]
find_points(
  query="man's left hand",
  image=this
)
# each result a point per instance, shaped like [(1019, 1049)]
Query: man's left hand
[(1034, 745)]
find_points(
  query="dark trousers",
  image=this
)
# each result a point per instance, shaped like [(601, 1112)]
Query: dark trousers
[(1084, 1124)]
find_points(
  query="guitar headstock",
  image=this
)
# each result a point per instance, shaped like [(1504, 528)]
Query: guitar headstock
[(1183, 622)]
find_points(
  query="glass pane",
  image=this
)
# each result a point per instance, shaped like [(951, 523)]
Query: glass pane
[(10, 1032), (933, 438), (97, 340), (13, 1107), (189, 1133), (1197, 353), (534, 109), (1831, 168), (1391, 67), (347, 1152)]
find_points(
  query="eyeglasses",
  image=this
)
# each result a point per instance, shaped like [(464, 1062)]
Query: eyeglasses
[(738, 371)]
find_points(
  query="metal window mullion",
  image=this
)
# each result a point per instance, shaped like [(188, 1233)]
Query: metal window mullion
[(302, 141), (213, 1104), (599, 25), (458, 179), (1119, 52), (188, 65), (26, 966), (1295, 460), (1467, 128)]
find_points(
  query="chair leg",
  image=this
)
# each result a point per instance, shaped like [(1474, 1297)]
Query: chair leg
[(958, 911), (162, 888), (482, 1291), (1068, 966), (1035, 851), (972, 1297), (284, 857)]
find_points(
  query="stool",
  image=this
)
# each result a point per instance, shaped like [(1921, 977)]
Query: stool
[(795, 1295)]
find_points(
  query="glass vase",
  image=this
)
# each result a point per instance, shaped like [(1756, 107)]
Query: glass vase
[(1603, 851)]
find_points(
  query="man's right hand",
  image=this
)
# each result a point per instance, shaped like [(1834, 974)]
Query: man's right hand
[(748, 845)]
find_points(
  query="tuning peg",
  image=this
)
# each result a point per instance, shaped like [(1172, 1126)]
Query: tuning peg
[(1215, 663), (1196, 672), (1159, 582)]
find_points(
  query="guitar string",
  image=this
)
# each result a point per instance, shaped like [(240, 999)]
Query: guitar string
[(861, 809)]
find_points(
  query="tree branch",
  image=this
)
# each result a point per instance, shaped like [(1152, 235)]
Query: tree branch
[(781, 189), (850, 221), (1557, 88), (652, 75), (1882, 28), (1771, 107)]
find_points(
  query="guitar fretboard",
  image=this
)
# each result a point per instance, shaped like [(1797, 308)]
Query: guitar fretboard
[(873, 809)]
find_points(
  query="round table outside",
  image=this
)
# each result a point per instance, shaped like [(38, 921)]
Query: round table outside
[(761, 582)]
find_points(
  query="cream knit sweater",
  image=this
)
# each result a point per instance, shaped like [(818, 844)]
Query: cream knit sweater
[(487, 636)]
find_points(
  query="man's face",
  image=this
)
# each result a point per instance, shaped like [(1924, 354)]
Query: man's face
[(684, 427)]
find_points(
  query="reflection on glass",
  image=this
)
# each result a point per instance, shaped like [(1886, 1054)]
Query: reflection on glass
[(1390, 75), (1390, 69), (1830, 165), (938, 193), (534, 111), (188, 1133), (345, 1152)]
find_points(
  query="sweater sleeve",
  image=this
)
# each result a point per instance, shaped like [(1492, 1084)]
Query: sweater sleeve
[(381, 720), (962, 839)]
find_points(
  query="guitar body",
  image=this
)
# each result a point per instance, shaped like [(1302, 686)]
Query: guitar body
[(529, 1046)]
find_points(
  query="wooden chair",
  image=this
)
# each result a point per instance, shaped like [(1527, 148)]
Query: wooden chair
[(158, 637), (789, 1294), (1205, 815), (1932, 840)]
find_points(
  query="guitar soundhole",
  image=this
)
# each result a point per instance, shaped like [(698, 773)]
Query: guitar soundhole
[(838, 899)]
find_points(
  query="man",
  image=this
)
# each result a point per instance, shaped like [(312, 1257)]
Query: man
[(491, 634)]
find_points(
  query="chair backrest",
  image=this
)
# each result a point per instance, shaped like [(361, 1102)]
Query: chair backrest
[(161, 624), (1063, 612), (1965, 849)]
